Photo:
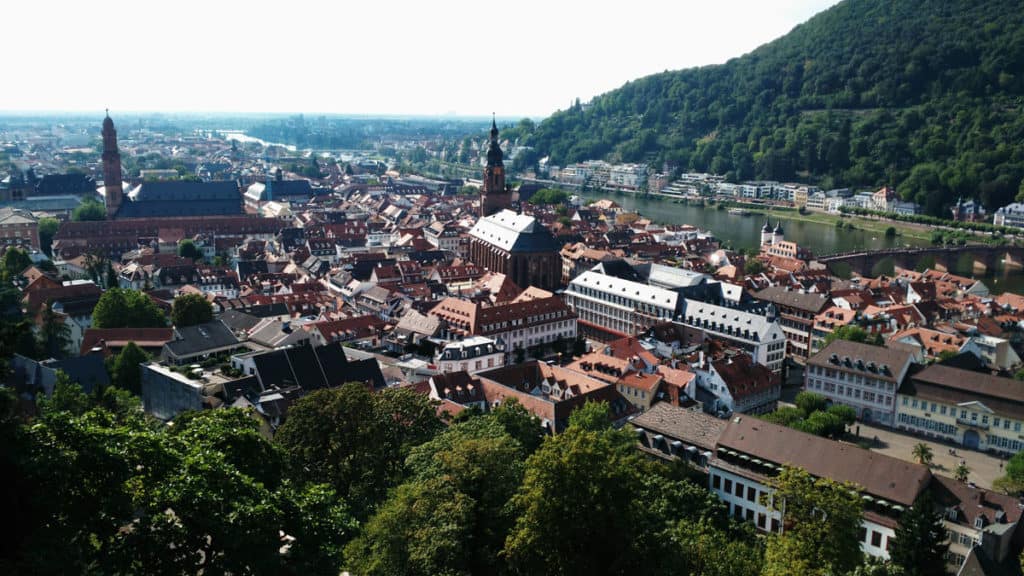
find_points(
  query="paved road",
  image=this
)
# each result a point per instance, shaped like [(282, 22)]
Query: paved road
[(984, 468)]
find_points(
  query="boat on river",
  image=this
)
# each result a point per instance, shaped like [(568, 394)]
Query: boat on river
[(739, 212)]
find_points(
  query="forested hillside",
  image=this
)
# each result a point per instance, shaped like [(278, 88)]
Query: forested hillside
[(925, 95)]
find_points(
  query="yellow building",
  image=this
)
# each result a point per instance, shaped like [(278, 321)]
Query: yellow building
[(976, 410)]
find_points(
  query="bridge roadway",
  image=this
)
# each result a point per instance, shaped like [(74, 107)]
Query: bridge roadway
[(945, 258)]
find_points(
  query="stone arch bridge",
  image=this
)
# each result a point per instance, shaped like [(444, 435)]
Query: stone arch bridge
[(976, 259)]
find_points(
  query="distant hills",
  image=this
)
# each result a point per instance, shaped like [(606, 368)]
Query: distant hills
[(926, 95)]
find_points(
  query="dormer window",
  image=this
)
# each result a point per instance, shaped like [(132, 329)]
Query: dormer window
[(979, 522)]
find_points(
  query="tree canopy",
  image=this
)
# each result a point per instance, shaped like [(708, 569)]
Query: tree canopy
[(187, 249), (191, 309), (15, 262), (126, 373), (355, 440), (920, 543), (89, 210), (127, 308), (922, 95), (206, 494), (853, 333), (823, 519)]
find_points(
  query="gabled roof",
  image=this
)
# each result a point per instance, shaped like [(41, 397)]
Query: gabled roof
[(744, 377), (880, 475), (192, 340), (514, 232)]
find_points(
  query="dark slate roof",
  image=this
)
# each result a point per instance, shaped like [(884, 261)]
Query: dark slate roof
[(248, 268), (192, 340), (620, 269), (88, 371), (362, 269), (187, 191), (281, 188), (312, 368), (238, 320), (427, 256), (156, 199), (63, 184)]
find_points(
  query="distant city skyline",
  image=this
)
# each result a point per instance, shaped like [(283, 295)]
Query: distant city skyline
[(387, 58)]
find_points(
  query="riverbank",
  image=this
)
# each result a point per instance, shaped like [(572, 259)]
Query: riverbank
[(876, 226)]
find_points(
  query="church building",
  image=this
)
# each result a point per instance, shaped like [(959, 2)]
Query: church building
[(519, 247), (508, 243), (162, 199)]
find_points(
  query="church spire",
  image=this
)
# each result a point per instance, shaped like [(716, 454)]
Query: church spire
[(494, 196), (113, 190)]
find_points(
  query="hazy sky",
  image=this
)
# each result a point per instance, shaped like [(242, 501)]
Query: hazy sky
[(524, 57)]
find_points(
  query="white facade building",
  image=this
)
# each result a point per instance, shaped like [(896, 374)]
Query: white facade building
[(470, 355), (758, 335), (861, 376), (1010, 215), (620, 305)]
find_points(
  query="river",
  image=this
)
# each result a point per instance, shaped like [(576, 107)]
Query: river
[(745, 232)]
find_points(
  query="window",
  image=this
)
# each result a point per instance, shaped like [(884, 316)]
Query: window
[(716, 481), (728, 486), (942, 410), (905, 400), (775, 525), (933, 407), (751, 494), (750, 515), (738, 512), (863, 534), (762, 521), (739, 489), (876, 539)]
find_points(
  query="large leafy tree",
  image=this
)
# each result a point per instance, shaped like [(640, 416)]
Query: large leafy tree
[(191, 309), (187, 249), (89, 210), (1013, 481), (47, 229), (354, 440), (520, 424), (127, 374), (14, 262), (126, 308), (54, 334), (578, 511), (920, 542), (204, 495), (460, 485), (822, 520)]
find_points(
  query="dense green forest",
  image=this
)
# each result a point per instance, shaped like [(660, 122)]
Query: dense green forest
[(925, 95)]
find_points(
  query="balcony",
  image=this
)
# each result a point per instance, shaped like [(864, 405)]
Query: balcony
[(972, 423)]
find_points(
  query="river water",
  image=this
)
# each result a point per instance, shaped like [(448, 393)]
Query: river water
[(745, 232)]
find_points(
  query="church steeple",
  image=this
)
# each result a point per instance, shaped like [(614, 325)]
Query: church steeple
[(494, 196), (113, 190)]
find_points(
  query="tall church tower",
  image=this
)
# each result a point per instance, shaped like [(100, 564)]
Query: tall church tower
[(113, 189), (494, 197)]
